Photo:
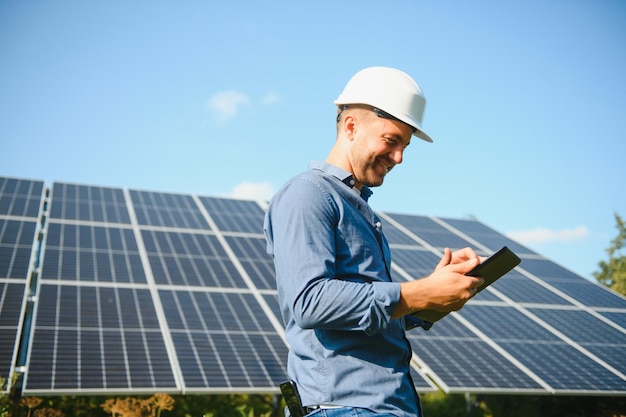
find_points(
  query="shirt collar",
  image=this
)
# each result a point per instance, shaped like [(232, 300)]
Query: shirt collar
[(342, 175)]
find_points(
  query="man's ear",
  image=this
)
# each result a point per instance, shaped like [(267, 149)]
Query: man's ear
[(349, 125)]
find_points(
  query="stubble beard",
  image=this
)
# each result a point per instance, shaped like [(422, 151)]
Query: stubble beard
[(373, 173)]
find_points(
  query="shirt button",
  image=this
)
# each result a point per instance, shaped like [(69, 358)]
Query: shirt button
[(378, 225)]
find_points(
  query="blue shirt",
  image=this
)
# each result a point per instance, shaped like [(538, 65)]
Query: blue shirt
[(336, 295)]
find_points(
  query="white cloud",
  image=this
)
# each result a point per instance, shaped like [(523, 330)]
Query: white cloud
[(260, 191), (270, 98), (544, 235), (226, 104)]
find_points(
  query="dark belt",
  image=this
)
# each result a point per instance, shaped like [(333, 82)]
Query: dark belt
[(311, 408)]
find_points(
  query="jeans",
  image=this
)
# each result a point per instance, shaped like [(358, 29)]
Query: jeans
[(346, 412)]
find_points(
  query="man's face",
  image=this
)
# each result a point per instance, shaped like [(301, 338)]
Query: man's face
[(377, 147)]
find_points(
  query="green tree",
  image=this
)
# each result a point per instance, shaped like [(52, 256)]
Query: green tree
[(613, 272)]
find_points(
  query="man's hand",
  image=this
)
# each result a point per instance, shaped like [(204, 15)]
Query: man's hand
[(446, 289), (457, 257)]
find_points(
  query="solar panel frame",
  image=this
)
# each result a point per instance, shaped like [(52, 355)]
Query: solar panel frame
[(21, 207)]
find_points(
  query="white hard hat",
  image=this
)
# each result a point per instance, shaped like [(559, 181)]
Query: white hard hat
[(390, 90)]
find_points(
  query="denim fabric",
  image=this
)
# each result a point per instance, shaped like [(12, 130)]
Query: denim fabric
[(336, 296), (347, 412)]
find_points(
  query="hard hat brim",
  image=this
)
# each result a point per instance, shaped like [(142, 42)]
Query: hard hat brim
[(417, 130), (422, 135)]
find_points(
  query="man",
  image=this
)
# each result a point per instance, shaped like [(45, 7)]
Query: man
[(345, 319)]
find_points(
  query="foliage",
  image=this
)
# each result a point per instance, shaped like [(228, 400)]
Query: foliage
[(48, 412), (158, 405), (434, 405), (78, 406), (551, 406), (229, 405), (30, 403), (459, 405), (242, 411), (450, 405), (135, 407), (613, 272), (6, 401)]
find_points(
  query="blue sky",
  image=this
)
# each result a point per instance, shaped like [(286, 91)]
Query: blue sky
[(525, 102)]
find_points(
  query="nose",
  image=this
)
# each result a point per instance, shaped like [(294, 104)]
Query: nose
[(396, 155)]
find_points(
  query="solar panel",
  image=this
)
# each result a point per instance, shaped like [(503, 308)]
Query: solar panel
[(429, 230), (88, 203), (488, 238), (532, 320), (617, 317), (190, 259), (470, 365), (572, 285), (565, 369), (20, 197), (521, 289), (140, 291), (158, 280), (91, 253), (415, 261), (235, 215), (11, 313), (599, 337), (224, 341), (93, 338), (252, 256), (167, 210), (20, 207)]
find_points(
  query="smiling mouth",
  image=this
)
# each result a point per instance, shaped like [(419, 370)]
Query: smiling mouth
[(382, 166), (387, 166)]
